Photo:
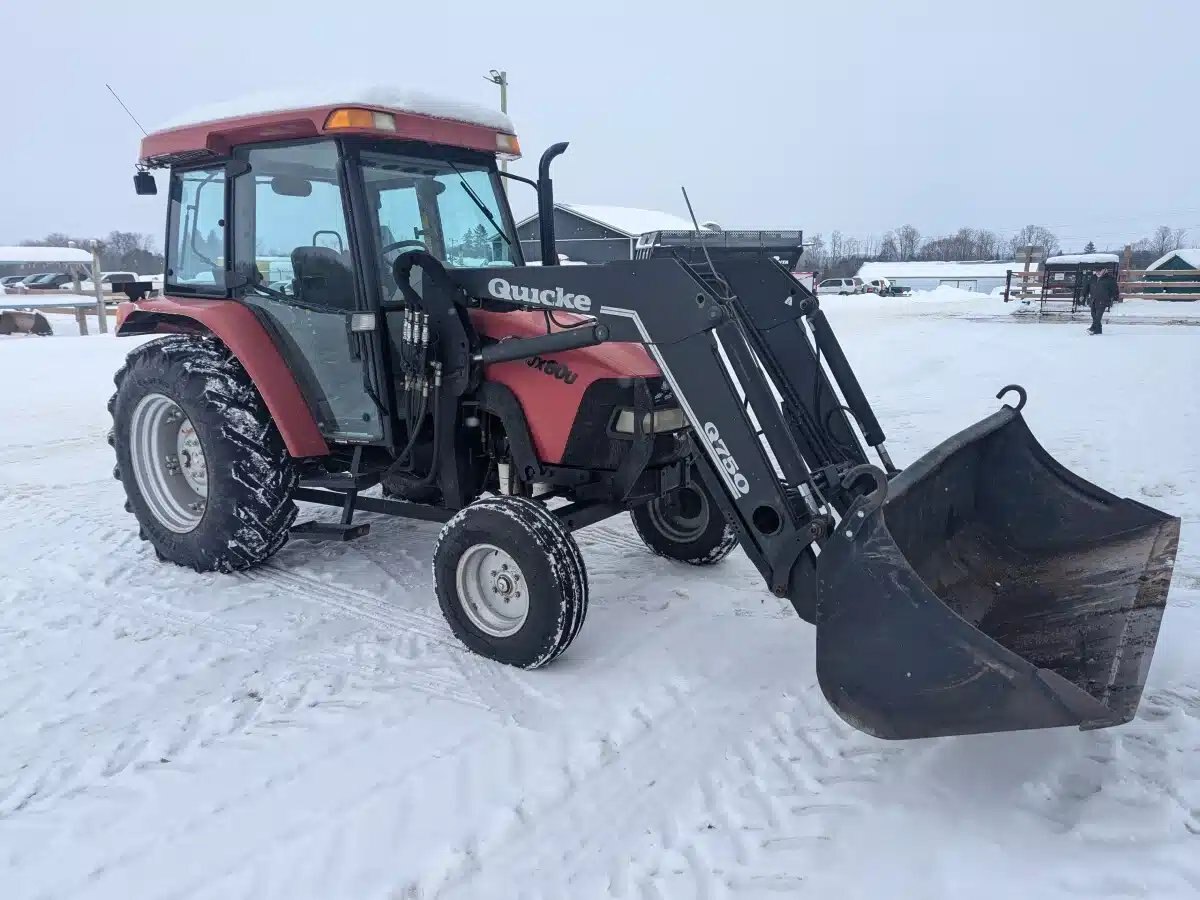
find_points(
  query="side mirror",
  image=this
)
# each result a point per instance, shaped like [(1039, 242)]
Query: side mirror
[(144, 184)]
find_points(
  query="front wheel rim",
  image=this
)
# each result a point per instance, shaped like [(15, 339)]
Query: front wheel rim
[(683, 518), (169, 465), (492, 590)]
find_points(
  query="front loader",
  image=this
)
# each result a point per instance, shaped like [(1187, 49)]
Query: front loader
[(983, 588)]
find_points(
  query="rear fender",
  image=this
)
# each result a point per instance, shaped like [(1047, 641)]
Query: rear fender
[(237, 328)]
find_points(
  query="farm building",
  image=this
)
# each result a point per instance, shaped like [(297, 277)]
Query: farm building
[(597, 234), (983, 277), (1177, 266)]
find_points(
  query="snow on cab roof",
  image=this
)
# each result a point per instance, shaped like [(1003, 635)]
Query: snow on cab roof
[(411, 101), (1190, 255), (1068, 259)]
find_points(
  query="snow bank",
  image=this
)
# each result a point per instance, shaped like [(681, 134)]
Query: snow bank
[(934, 269), (943, 300), (419, 102)]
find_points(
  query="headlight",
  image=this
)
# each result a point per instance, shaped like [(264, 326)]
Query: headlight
[(654, 422)]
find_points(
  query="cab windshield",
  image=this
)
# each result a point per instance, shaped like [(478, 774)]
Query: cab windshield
[(450, 208)]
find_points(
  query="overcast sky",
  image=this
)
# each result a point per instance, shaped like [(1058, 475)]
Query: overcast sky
[(856, 116)]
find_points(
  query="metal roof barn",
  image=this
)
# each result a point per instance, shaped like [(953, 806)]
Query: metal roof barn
[(598, 234)]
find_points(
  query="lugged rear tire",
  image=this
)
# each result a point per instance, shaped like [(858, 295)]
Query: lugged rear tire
[(249, 477), (686, 526), (511, 581)]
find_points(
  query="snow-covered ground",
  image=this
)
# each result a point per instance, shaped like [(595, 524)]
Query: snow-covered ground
[(312, 729)]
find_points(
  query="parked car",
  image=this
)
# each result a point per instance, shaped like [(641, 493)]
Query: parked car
[(886, 288), (51, 282), (841, 286), (109, 282), (10, 280), (23, 286)]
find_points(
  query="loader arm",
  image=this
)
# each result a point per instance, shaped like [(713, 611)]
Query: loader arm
[(773, 451), (985, 588)]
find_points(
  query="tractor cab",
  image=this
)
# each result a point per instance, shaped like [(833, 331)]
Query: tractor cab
[(311, 207)]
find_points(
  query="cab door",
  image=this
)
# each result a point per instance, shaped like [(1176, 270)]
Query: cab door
[(293, 254)]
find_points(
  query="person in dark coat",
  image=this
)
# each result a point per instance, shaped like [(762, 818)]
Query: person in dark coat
[(1102, 295)]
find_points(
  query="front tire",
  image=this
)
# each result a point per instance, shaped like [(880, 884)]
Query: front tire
[(510, 581), (204, 468), (685, 525)]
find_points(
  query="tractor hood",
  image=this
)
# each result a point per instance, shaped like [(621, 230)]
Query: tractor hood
[(609, 360), (552, 389)]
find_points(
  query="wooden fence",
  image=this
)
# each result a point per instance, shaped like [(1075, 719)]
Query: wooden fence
[(1159, 284)]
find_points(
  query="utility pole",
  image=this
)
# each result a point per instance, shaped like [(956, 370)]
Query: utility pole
[(501, 78)]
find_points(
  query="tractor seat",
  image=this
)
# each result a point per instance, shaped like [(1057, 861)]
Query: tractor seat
[(322, 277)]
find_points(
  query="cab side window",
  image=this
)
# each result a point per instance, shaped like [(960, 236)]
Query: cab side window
[(292, 237), (196, 225)]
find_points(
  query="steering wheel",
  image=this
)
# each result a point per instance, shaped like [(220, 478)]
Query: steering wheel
[(393, 247), (398, 245)]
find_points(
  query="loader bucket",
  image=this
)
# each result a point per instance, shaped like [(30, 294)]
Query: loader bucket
[(987, 588), (23, 322)]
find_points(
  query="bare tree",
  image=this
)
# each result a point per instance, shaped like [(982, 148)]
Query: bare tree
[(836, 247), (1033, 235), (987, 244), (888, 249), (937, 249), (814, 254), (908, 241), (1165, 239)]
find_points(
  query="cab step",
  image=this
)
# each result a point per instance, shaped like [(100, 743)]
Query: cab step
[(330, 531), (342, 481)]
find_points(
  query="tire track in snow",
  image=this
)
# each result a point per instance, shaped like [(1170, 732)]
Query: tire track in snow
[(14, 453), (614, 537), (339, 778), (496, 686), (489, 684), (764, 820), (555, 850), (225, 690), (119, 701)]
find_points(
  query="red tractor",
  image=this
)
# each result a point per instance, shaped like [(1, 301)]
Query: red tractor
[(347, 305)]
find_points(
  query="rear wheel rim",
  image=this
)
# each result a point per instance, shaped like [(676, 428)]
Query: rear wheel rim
[(685, 519), (169, 465), (492, 590)]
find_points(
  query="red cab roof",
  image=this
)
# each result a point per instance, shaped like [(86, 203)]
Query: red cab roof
[(378, 112)]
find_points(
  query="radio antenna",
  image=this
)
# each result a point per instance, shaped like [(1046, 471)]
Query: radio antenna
[(126, 108)]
